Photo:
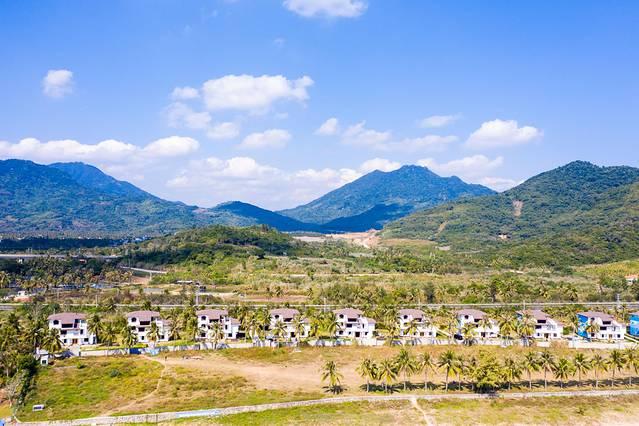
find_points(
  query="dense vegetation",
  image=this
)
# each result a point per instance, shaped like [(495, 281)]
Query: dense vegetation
[(576, 214), (380, 196)]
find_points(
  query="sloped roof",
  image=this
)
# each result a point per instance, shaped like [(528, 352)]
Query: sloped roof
[(475, 313), (67, 317), (286, 313), (415, 313), (143, 315), (212, 314), (348, 312)]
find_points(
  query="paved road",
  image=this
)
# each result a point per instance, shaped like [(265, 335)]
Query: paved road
[(216, 412)]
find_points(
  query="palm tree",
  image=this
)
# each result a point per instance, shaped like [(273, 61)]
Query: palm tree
[(334, 377), (95, 326), (331, 326), (411, 330), (562, 369), (486, 323), (526, 328), (279, 331), (392, 333), (154, 333), (426, 364), (592, 328), (599, 363), (405, 365), (468, 333), (530, 364), (511, 371), (387, 373), (51, 341), (507, 326), (129, 338), (299, 325), (216, 333), (448, 361), (632, 360), (617, 363), (582, 365), (547, 363), (368, 370), (109, 333)]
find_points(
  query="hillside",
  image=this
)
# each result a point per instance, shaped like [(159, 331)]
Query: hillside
[(236, 213), (576, 213), (381, 196)]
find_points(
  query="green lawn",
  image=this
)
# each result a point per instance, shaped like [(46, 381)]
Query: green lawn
[(84, 388)]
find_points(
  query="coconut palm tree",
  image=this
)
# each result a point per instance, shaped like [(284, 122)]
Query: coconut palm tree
[(95, 326), (51, 341), (632, 361), (153, 335), (526, 328), (546, 363), (592, 328), (562, 369), (507, 326), (486, 324), (109, 333), (330, 325), (511, 371), (617, 363), (392, 333), (216, 333), (299, 325), (468, 333), (426, 364), (582, 365), (599, 363), (279, 331), (330, 374), (129, 338), (411, 330), (368, 371), (448, 361), (530, 364), (387, 373), (405, 364)]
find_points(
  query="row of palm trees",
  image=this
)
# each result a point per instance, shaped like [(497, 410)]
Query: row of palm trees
[(486, 372)]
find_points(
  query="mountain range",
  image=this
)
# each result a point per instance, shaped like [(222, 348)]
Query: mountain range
[(76, 199), (579, 212)]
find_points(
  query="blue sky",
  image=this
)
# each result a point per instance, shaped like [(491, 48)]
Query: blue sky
[(493, 92)]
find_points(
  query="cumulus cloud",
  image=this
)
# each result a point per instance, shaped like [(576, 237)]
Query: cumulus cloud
[(272, 138), (213, 180), (225, 130), (380, 164), (499, 184), (181, 115), (107, 151), (184, 93), (58, 83), (327, 8), (502, 133), (471, 167), (329, 128), (436, 121), (359, 135), (250, 93), (424, 143)]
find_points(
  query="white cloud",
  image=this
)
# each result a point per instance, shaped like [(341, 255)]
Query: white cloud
[(67, 150), (184, 93), (329, 127), (171, 147), (436, 121), (359, 135), (502, 133), (470, 168), (250, 93), (58, 83), (181, 115), (225, 130), (380, 164), (498, 184), (327, 8), (273, 138)]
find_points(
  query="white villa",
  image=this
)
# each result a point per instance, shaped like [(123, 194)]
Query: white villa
[(477, 318), (287, 317), (207, 317), (424, 327), (608, 327), (73, 329), (545, 326), (140, 322), (353, 324)]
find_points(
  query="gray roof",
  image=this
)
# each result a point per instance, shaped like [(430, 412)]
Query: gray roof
[(212, 314), (475, 313), (143, 315), (285, 313), (415, 313), (596, 314), (67, 317), (349, 312)]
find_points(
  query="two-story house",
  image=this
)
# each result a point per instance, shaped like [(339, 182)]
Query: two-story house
[(287, 316), (545, 326), (353, 324), (414, 324), (485, 327), (206, 319), (73, 328), (140, 322), (600, 326)]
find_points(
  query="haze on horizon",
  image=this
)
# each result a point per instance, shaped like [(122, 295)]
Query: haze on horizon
[(278, 102)]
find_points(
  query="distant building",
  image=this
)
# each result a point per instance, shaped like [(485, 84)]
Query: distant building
[(424, 327), (287, 317), (483, 329), (208, 317), (600, 326), (140, 322), (73, 328), (632, 279), (545, 326), (353, 324)]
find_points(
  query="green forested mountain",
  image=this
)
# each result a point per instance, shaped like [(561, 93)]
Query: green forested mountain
[(576, 213), (380, 196), (236, 213)]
